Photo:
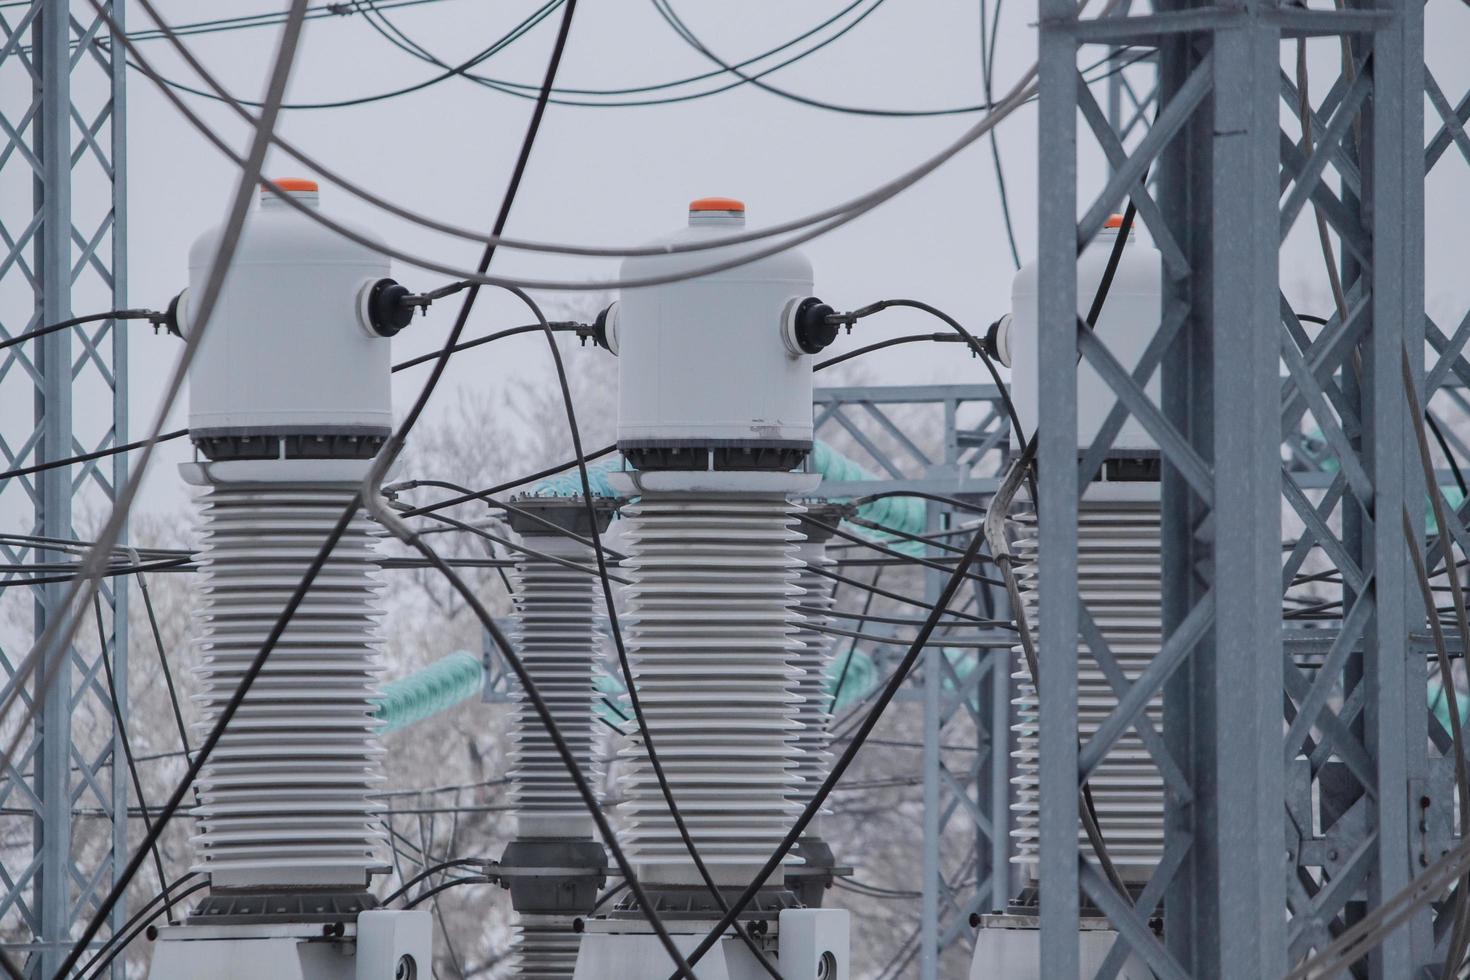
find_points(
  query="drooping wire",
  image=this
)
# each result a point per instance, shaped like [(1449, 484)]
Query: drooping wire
[(987, 68), (429, 872), (133, 928), (822, 222), (168, 675), (512, 484), (500, 44), (478, 341), (77, 321), (87, 457), (666, 11), (851, 651), (395, 36), (445, 886), (913, 338), (115, 705), (220, 25)]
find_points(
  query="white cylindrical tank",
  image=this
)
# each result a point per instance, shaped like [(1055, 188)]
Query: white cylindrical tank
[(285, 352), (701, 362), (1129, 320), (289, 401)]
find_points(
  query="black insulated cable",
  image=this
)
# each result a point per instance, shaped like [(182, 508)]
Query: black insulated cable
[(156, 318), (86, 457)]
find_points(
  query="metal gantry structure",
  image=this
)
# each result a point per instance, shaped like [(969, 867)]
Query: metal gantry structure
[(1306, 783), (1336, 790), (62, 128), (948, 440)]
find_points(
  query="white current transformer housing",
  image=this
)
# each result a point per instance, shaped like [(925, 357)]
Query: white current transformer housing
[(1128, 322), (296, 357), (702, 363), (289, 402)]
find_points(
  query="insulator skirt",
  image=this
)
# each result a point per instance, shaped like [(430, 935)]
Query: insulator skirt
[(814, 712), (558, 612), (545, 948), (711, 635), (1119, 580), (285, 799)]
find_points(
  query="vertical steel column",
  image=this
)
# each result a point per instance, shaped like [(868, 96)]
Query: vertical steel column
[(1232, 185), (1223, 713), (1057, 506), (932, 825), (1392, 213), (53, 831), (117, 589), (60, 254)]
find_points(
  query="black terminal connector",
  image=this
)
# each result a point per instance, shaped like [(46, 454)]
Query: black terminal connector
[(170, 320), (597, 330), (388, 307), (997, 340), (812, 326)]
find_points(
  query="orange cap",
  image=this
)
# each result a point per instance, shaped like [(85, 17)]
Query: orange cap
[(1114, 221), (295, 184), (717, 204)]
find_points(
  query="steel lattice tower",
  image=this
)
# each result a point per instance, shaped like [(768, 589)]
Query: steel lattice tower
[(61, 128), (1232, 180)]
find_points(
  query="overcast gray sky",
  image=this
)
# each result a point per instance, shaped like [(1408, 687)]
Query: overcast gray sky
[(618, 176)]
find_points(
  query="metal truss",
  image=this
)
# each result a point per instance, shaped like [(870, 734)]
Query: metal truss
[(892, 430), (61, 129), (1337, 790)]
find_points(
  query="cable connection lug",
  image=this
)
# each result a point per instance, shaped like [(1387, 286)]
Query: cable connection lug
[(808, 326)]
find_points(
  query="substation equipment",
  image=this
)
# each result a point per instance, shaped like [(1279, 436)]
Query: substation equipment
[(556, 865), (714, 414), (289, 400), (1119, 578)]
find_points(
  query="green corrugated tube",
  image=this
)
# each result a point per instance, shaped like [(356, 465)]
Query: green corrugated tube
[(900, 513), (438, 687)]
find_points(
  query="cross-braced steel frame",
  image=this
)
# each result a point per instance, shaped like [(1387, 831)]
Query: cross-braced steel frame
[(1232, 181), (966, 795), (62, 252)]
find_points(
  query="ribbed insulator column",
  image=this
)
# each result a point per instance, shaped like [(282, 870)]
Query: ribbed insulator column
[(546, 947), (558, 609), (285, 800), (1119, 580), (557, 613), (814, 711), (711, 636)]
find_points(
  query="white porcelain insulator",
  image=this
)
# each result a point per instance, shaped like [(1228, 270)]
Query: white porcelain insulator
[(286, 798), (546, 947), (558, 610), (711, 634), (1119, 579), (815, 710)]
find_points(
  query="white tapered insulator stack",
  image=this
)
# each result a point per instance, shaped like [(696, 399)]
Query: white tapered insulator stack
[(286, 798), (558, 610), (711, 633), (1119, 581), (815, 710)]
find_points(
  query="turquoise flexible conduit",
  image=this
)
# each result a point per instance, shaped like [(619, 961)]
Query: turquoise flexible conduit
[(438, 687)]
